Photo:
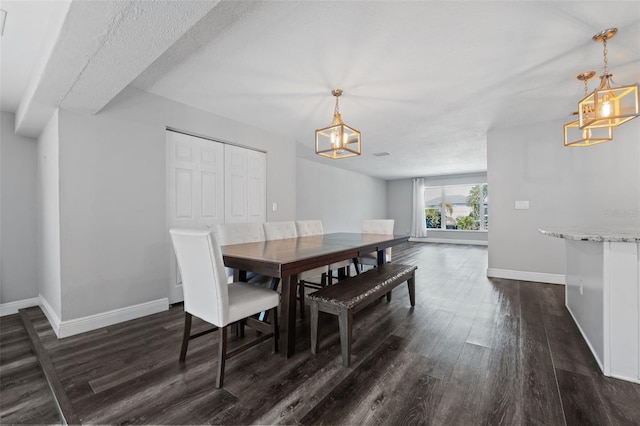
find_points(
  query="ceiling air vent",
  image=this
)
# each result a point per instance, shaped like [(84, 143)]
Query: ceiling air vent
[(380, 154)]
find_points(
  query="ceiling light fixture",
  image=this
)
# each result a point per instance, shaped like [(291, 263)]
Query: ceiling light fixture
[(574, 135), (337, 140), (608, 106)]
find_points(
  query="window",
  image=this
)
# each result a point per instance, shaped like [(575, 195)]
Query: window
[(457, 207)]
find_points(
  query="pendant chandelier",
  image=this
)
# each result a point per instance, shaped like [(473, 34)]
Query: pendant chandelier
[(574, 135), (337, 140), (608, 106)]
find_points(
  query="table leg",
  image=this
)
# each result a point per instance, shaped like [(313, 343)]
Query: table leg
[(381, 257), (288, 315), (239, 275)]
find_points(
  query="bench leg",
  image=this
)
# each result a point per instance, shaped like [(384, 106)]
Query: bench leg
[(411, 283), (314, 328), (389, 296), (345, 320)]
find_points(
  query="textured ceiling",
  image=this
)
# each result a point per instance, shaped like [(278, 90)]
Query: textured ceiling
[(423, 80)]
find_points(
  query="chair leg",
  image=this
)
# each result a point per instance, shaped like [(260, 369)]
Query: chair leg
[(275, 329), (301, 297), (314, 328), (185, 336), (342, 273), (264, 315), (222, 356), (356, 265)]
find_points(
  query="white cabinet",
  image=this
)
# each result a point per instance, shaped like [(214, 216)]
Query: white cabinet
[(603, 295)]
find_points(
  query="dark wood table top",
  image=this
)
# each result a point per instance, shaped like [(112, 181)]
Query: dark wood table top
[(278, 258)]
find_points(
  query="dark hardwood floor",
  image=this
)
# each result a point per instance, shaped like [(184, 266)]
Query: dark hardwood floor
[(473, 351)]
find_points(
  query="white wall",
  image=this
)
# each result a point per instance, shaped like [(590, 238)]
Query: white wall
[(113, 238), (49, 273), (400, 196), (18, 214), (598, 186), (340, 198)]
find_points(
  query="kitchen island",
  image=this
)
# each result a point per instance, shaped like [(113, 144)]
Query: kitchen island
[(603, 295)]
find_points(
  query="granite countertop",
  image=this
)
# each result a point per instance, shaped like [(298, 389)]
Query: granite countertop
[(594, 234)]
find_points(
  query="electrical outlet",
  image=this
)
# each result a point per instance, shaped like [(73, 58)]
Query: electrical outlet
[(522, 205)]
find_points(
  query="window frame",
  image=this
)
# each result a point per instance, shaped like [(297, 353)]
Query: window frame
[(443, 213)]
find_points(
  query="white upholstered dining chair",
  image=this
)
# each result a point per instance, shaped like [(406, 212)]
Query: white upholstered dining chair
[(287, 229), (314, 227), (208, 296), (238, 233), (376, 226)]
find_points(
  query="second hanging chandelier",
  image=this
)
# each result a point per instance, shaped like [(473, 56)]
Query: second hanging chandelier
[(608, 106)]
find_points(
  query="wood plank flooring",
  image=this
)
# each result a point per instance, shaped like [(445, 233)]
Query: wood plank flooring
[(473, 351)]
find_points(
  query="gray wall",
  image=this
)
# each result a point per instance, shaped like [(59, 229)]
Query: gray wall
[(48, 262), (340, 198), (400, 196), (18, 214), (113, 237), (598, 186)]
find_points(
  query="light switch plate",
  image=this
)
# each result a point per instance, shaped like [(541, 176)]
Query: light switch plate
[(522, 205)]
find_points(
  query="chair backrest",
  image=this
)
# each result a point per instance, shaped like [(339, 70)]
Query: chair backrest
[(238, 233), (377, 226), (204, 281), (279, 230), (309, 227)]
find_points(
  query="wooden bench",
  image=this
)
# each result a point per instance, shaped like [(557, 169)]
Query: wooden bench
[(352, 294)]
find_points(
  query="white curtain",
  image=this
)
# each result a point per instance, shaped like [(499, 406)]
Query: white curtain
[(418, 223)]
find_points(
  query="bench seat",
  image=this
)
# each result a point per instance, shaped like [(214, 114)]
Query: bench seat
[(350, 295)]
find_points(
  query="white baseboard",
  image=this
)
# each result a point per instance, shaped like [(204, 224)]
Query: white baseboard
[(541, 277), (449, 241), (93, 322), (627, 379), (54, 319), (11, 308)]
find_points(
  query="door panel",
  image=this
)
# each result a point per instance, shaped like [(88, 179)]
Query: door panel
[(195, 189)]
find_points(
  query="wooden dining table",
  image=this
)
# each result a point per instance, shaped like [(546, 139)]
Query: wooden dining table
[(286, 258)]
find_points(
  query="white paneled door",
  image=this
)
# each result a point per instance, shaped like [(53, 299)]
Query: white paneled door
[(245, 185), (211, 182), (195, 190)]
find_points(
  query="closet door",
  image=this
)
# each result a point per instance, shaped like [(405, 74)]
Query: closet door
[(245, 185), (195, 190), (257, 186), (236, 178)]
